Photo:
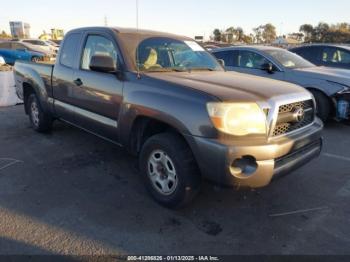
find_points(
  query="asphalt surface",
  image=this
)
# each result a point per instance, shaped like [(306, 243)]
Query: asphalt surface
[(71, 193)]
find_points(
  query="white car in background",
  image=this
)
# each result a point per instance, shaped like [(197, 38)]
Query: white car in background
[(2, 61), (42, 44), (50, 42)]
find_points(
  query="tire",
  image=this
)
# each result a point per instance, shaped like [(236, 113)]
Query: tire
[(40, 121), (169, 170), (323, 105)]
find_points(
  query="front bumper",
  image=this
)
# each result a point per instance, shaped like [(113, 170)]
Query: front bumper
[(273, 159)]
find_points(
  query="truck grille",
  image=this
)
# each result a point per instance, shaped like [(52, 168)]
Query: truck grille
[(288, 119)]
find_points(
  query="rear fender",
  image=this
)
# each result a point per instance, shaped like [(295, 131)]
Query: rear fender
[(27, 77)]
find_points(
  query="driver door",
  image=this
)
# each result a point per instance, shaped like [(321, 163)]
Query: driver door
[(97, 96)]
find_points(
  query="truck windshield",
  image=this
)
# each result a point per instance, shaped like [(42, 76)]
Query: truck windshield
[(160, 54), (289, 59)]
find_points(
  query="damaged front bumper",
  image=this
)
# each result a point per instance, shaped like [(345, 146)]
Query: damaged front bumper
[(342, 104)]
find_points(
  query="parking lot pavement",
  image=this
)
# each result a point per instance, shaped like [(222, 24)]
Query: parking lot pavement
[(71, 193)]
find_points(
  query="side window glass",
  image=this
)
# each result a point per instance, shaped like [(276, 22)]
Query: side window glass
[(69, 50), (97, 45), (304, 52), (343, 56), (248, 59), (308, 53), (17, 46), (230, 57), (330, 55)]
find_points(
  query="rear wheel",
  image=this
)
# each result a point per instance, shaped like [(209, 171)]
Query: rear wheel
[(169, 170), (323, 105), (40, 121)]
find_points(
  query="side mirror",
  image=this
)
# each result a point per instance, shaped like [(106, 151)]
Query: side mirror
[(268, 67), (103, 63), (221, 62)]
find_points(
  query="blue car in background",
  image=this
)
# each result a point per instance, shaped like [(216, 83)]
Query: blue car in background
[(12, 51)]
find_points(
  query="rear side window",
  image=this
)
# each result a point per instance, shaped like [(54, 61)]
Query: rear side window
[(334, 55), (69, 50), (230, 57)]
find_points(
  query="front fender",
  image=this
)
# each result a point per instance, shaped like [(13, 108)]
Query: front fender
[(183, 109), (310, 82)]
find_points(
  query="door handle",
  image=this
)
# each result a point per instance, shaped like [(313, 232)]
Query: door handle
[(78, 82)]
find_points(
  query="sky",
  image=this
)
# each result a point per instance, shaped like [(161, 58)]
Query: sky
[(185, 17)]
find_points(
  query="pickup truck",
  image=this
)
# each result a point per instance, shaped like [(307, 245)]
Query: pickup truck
[(171, 104)]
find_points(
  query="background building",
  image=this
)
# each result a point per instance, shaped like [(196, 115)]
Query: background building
[(20, 29)]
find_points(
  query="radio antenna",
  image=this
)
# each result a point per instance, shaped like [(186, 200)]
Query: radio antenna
[(138, 40)]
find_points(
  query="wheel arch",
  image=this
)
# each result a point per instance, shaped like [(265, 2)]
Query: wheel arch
[(28, 88), (144, 127), (331, 101)]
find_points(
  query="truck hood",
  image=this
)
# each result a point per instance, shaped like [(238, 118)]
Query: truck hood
[(341, 76), (231, 86)]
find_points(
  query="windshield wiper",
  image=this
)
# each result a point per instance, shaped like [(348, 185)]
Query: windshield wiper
[(160, 70), (200, 69)]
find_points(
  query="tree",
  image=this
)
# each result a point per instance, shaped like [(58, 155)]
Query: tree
[(297, 36), (325, 33), (240, 34), (4, 35), (269, 33), (321, 31), (217, 35), (339, 33), (258, 35), (265, 33), (248, 39), (231, 35), (308, 31)]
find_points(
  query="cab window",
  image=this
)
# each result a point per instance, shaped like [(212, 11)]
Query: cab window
[(97, 45), (69, 50)]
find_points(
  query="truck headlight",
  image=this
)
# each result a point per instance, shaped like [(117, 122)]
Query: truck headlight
[(238, 119)]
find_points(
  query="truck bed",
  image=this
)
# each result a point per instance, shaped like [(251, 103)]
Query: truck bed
[(39, 72)]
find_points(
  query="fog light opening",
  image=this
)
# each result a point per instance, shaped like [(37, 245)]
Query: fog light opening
[(245, 166)]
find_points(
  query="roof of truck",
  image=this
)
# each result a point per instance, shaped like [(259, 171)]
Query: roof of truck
[(247, 47), (131, 31), (130, 38)]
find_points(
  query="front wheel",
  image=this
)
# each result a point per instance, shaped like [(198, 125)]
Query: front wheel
[(40, 121), (169, 170), (323, 105)]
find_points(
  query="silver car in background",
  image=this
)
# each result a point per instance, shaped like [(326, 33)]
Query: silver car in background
[(330, 87)]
